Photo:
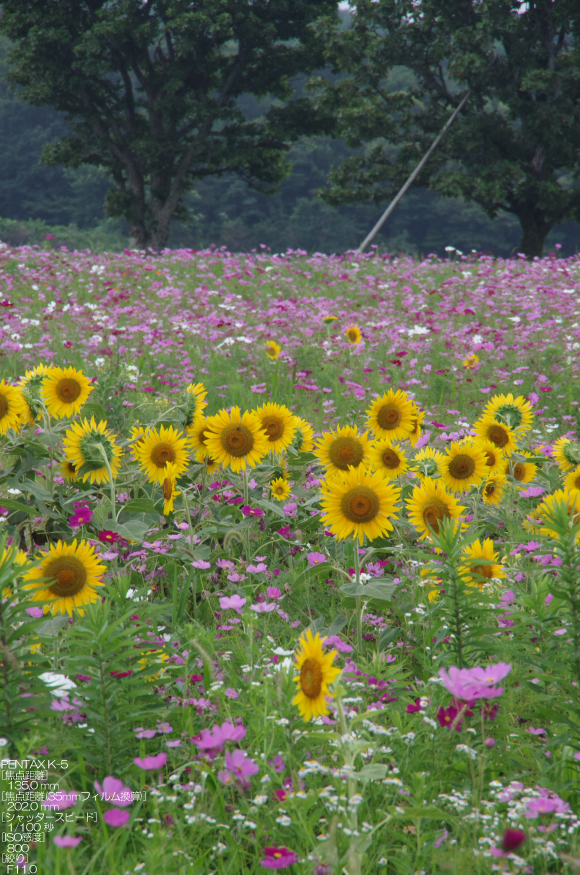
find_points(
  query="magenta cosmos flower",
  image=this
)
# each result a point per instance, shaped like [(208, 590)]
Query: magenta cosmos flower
[(151, 763), (278, 858), (115, 817)]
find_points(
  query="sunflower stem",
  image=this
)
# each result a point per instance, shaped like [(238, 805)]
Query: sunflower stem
[(358, 598), (111, 482)]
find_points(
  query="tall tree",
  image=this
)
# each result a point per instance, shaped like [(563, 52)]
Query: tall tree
[(151, 90), (515, 147)]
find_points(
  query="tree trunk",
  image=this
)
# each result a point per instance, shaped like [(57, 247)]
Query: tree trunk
[(534, 231), (138, 235)]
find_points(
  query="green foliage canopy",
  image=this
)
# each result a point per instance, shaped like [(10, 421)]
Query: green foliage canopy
[(151, 91), (515, 148)]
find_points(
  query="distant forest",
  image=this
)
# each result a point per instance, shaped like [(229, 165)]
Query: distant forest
[(37, 200)]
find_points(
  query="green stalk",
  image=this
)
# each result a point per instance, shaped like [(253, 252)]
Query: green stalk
[(358, 598)]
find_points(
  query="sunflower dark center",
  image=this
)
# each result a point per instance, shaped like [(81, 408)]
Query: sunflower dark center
[(67, 576), (345, 451), (167, 488), (311, 678), (360, 504), (161, 454), (390, 459), (352, 334), (435, 511), (389, 417), (576, 482), (274, 427), (3, 405), (68, 390), (490, 488), (482, 571), (203, 436), (490, 458), (498, 435), (415, 429), (511, 414), (237, 440), (461, 466), (519, 471)]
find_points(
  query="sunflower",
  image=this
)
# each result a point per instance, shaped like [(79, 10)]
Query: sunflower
[(430, 504), (328, 320), (138, 434), (353, 334), (566, 453), (572, 481), (463, 466), (280, 489), (392, 416), (343, 449), (85, 445), (490, 429), (315, 673), (170, 491), (523, 472), (494, 458), (194, 404), (426, 463), (471, 571), (16, 557), (272, 350), (515, 412), (546, 509), (236, 439), (418, 417), (65, 390), (68, 471), (278, 423), (12, 407), (158, 448), (359, 503), (303, 439), (493, 488), (30, 385), (66, 576), (34, 379), (388, 458)]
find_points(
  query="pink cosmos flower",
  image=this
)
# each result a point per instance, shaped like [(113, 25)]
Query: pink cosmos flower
[(274, 593), (316, 558), (234, 603), (212, 741), (263, 607), (150, 764), (469, 684), (278, 858), (115, 817), (201, 564), (338, 643), (114, 791), (241, 767), (257, 569), (67, 841), (545, 805)]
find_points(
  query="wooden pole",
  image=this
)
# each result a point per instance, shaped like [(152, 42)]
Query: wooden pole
[(370, 237)]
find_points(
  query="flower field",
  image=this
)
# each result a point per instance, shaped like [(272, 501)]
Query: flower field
[(290, 563)]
